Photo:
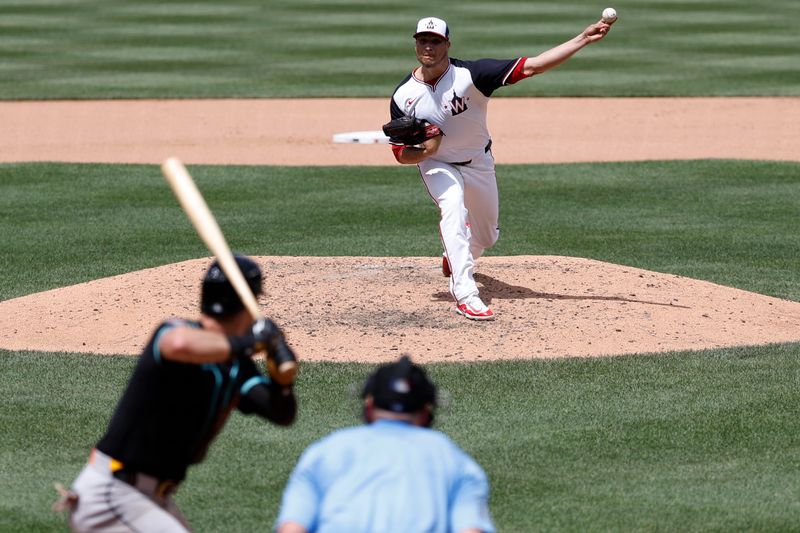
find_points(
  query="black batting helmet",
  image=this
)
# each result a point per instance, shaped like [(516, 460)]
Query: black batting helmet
[(218, 297)]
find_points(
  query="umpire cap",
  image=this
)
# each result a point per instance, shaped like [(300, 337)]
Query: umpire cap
[(218, 297), (401, 387)]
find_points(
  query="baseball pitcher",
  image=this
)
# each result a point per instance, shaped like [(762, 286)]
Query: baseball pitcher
[(438, 123)]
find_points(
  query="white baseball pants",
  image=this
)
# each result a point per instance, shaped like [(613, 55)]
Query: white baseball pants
[(468, 202)]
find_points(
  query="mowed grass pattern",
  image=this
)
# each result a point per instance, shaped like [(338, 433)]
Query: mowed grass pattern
[(322, 48), (730, 222), (676, 442), (700, 441), (679, 442)]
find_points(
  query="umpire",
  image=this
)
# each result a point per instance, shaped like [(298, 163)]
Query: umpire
[(189, 378), (393, 474)]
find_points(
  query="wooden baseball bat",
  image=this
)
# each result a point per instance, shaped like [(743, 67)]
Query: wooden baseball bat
[(207, 228)]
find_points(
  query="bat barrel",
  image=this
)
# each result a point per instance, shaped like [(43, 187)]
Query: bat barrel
[(281, 359)]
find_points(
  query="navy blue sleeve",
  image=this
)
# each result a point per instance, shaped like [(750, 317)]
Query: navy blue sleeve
[(488, 74), (394, 109)]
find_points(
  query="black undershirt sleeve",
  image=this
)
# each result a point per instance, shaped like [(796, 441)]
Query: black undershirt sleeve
[(272, 401), (260, 395)]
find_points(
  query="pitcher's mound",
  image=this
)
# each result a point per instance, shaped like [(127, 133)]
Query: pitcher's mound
[(374, 308)]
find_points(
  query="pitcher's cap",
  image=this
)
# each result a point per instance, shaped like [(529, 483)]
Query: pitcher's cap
[(433, 25)]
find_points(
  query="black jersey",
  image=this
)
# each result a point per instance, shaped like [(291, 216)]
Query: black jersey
[(171, 411)]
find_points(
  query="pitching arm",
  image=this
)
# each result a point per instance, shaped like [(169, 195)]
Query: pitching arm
[(559, 54)]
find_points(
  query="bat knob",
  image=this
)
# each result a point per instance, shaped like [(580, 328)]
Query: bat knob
[(281, 362), (286, 372)]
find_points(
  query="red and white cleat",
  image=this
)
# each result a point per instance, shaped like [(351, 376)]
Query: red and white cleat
[(473, 308)]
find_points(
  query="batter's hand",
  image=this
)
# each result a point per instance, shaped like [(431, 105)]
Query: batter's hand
[(263, 330), (268, 336), (257, 339)]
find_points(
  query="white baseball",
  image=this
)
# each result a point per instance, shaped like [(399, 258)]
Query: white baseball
[(609, 14)]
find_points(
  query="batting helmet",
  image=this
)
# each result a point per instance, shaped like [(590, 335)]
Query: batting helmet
[(218, 297)]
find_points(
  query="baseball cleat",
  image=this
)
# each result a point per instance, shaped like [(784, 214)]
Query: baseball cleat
[(473, 308), (446, 267)]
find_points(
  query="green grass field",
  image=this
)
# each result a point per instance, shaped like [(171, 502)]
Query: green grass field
[(701, 441), (731, 222), (688, 441), (680, 442), (286, 48)]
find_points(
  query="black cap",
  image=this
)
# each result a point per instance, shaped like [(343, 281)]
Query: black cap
[(400, 387), (218, 297)]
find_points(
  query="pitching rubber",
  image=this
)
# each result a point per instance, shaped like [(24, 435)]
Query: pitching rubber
[(361, 137)]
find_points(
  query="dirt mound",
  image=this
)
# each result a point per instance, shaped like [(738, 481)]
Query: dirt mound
[(358, 308), (372, 309)]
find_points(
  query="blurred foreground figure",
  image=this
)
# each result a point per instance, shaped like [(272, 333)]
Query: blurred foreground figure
[(393, 474), (189, 378)]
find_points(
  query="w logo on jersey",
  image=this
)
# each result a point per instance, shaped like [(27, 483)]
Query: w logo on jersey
[(458, 104)]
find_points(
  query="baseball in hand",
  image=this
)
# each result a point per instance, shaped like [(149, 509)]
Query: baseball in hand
[(609, 15)]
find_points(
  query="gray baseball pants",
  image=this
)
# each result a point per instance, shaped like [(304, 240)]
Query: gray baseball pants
[(109, 505)]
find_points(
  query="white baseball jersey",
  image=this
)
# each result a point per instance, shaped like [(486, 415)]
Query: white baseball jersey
[(457, 102)]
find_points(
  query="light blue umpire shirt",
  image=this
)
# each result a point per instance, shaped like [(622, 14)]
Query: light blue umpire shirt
[(386, 477)]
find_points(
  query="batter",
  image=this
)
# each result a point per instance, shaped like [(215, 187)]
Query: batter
[(189, 378), (457, 166)]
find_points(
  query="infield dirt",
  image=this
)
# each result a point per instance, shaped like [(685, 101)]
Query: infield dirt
[(371, 309)]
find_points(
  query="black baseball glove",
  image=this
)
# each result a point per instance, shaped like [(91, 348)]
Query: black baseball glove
[(410, 131)]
